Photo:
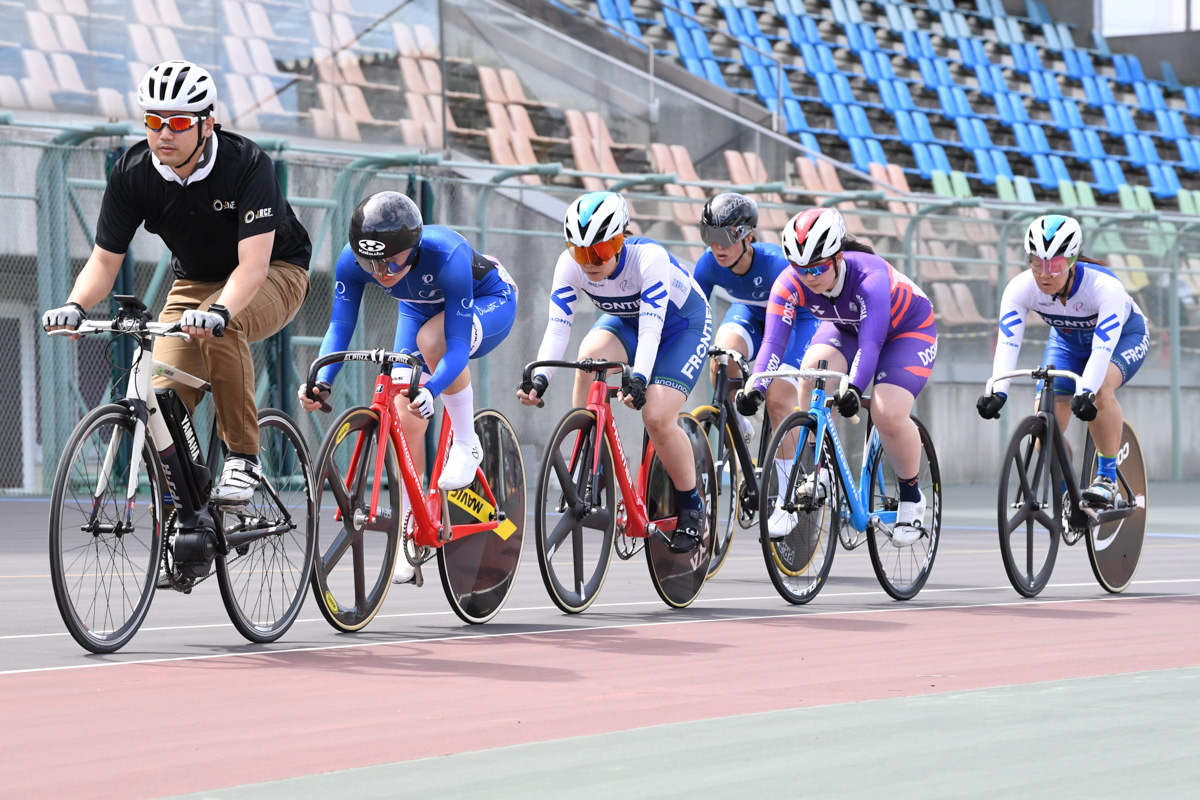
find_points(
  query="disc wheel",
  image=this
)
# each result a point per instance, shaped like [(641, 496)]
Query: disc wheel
[(575, 520), (798, 562), (1115, 548), (355, 556), (1029, 508), (105, 547), (478, 569), (679, 577), (902, 571), (263, 582), (728, 483)]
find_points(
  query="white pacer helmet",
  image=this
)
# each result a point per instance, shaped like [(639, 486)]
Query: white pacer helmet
[(177, 86), (813, 235), (1052, 236), (595, 217)]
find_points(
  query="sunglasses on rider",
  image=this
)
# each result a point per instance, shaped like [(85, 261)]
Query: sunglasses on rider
[(598, 253), (178, 123), (816, 268), (1051, 267), (726, 236), (386, 267)]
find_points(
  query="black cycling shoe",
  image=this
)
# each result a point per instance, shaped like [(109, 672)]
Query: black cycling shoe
[(689, 528)]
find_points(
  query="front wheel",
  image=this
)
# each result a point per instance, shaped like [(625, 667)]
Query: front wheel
[(1115, 548), (576, 519), (263, 581), (799, 560), (1029, 507), (679, 577), (902, 571), (105, 543), (478, 569), (355, 555), (728, 482)]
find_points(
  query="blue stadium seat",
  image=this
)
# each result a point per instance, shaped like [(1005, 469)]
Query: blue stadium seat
[(1053, 91), (1191, 95), (854, 39), (1024, 141), (903, 95), (858, 153), (1003, 36), (1187, 154), (812, 62), (961, 103), (924, 160), (904, 126), (827, 62), (1143, 96), (983, 9), (982, 137), (1071, 64), (794, 115), (1003, 109), (703, 48), (884, 66), (966, 132), (1094, 146), (1122, 68), (713, 70), (1079, 144), (1113, 120), (826, 90), (862, 125), (998, 82), (946, 99), (764, 86), (1158, 183), (1173, 185), (1170, 79), (984, 166), (868, 36), (1116, 173), (1091, 92), (671, 15), (887, 96), (1135, 67), (811, 33), (921, 124), (1000, 164), (843, 122), (845, 94), (1038, 136), (689, 21), (1038, 87), (810, 141), (1059, 115), (1156, 96), (1045, 172), (1061, 173), (929, 74), (983, 80), (870, 71), (1101, 179), (966, 52), (1086, 67), (1073, 115), (940, 161), (1128, 125), (684, 44), (1020, 62), (1100, 44), (1148, 149), (1050, 36), (795, 30), (981, 56), (1133, 149), (943, 72), (875, 153)]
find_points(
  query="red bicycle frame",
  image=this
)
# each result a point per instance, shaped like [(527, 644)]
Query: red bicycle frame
[(431, 530)]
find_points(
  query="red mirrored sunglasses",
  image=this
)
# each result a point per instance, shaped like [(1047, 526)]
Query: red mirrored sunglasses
[(178, 123), (598, 253)]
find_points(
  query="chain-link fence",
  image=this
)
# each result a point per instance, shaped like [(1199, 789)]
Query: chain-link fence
[(960, 251)]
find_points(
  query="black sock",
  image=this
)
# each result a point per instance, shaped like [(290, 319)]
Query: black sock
[(688, 499), (252, 458), (909, 493)]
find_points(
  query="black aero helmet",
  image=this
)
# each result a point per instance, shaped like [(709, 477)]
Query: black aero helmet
[(728, 219), (384, 224)]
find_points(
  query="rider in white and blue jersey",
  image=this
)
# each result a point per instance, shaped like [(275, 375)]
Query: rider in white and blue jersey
[(1096, 330), (656, 319), (746, 270)]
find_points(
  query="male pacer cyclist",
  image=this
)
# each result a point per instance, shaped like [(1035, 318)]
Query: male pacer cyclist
[(239, 254), (1096, 331), (876, 325), (453, 305), (656, 318), (747, 270)]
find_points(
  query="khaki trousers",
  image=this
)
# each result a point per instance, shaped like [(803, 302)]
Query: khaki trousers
[(225, 361)]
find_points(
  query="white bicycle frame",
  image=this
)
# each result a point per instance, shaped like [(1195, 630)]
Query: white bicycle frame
[(140, 393)]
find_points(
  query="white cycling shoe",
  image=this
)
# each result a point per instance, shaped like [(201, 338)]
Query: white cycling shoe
[(909, 521), (811, 488), (239, 479), (464, 459), (746, 428), (781, 523), (404, 571)]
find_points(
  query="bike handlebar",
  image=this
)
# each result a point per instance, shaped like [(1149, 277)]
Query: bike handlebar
[(738, 358), (1040, 373), (123, 324), (587, 365), (377, 356), (808, 374)]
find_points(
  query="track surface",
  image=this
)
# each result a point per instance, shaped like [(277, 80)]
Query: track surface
[(969, 690)]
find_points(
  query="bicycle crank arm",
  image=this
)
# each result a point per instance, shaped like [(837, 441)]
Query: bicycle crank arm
[(245, 535)]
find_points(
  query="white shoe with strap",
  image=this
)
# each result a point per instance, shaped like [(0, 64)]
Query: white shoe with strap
[(909, 522), (461, 463), (239, 479)]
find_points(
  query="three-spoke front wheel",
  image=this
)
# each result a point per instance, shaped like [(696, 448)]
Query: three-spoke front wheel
[(1029, 507), (576, 517), (355, 553)]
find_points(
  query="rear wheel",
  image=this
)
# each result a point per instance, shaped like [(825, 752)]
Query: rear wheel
[(478, 569), (355, 555), (1115, 548), (1029, 508), (798, 562), (263, 582), (679, 577), (727, 485), (105, 546), (902, 571), (576, 517)]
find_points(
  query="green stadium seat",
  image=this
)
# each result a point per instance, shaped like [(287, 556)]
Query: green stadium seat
[(1005, 190)]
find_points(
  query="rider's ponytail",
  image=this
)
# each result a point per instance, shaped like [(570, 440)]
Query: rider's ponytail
[(850, 243)]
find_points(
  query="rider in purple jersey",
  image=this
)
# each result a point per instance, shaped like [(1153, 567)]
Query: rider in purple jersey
[(876, 325)]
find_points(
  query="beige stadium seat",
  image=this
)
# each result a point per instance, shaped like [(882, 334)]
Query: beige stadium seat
[(238, 56), (523, 151), (833, 184), (414, 79), (489, 83), (498, 118), (267, 96), (453, 127), (406, 44), (344, 34), (599, 129), (516, 93), (235, 17), (168, 45), (41, 32), (945, 307), (145, 51), (112, 106), (351, 69), (71, 37), (146, 13), (262, 58), (37, 95), (577, 126), (331, 100), (347, 128), (239, 96), (427, 43), (520, 121), (322, 122), (356, 104), (10, 93), (771, 220), (67, 73), (38, 71), (260, 23), (966, 305)]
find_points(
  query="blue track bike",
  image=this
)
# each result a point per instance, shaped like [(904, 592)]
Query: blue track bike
[(825, 503)]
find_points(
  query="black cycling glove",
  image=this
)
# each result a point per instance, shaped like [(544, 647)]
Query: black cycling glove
[(989, 405), (748, 402), (635, 389), (848, 402), (1084, 406)]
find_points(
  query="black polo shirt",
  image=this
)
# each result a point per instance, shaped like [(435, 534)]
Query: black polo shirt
[(233, 195)]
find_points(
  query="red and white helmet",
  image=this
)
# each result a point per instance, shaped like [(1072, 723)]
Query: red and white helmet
[(813, 235)]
